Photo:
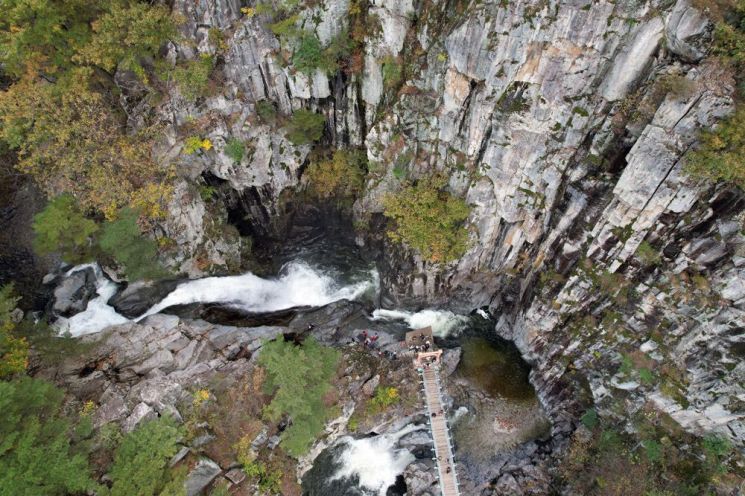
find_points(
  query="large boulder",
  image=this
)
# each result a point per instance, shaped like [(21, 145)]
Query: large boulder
[(74, 291), (138, 297), (201, 476)]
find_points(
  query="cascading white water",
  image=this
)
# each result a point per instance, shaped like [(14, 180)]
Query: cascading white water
[(375, 461), (298, 285), (98, 314), (443, 322)]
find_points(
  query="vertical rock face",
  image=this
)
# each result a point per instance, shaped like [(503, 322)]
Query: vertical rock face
[(564, 124)]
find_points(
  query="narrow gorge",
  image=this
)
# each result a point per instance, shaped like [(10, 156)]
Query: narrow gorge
[(513, 173)]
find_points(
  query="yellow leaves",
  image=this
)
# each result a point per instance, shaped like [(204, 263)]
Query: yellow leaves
[(248, 11), (199, 397), (88, 408), (195, 143), (68, 140), (244, 453), (385, 397), (342, 176), (152, 199)]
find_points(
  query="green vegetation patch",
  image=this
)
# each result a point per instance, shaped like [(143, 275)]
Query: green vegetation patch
[(62, 227), (122, 240), (299, 376), (342, 176), (235, 149), (193, 77), (13, 349), (429, 219), (37, 454), (721, 153), (142, 458), (305, 127)]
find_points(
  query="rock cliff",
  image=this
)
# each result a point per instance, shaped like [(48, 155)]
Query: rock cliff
[(563, 123)]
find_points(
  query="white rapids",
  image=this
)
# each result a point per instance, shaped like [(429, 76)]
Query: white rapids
[(98, 314), (297, 285), (443, 322), (375, 461)]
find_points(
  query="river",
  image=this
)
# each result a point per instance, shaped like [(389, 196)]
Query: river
[(371, 464)]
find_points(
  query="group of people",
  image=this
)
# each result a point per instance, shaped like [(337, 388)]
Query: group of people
[(425, 345), (367, 340)]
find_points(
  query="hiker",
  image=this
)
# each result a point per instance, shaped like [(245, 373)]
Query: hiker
[(310, 327), (447, 470), (426, 345), (367, 342), (375, 338)]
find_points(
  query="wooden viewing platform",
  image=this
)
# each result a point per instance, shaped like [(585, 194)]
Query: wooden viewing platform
[(427, 363)]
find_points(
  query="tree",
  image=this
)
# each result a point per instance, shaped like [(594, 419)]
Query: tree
[(305, 127), (122, 240), (298, 376), (429, 219), (61, 112), (43, 34), (13, 349), (342, 176), (126, 34), (61, 227), (141, 460), (73, 142), (36, 455)]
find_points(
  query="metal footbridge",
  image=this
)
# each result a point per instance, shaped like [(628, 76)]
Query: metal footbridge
[(427, 363)]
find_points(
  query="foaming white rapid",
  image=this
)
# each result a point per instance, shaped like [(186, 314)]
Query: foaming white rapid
[(375, 460), (442, 322), (98, 314), (297, 285)]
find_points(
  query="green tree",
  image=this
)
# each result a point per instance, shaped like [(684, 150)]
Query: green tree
[(429, 219), (13, 349), (141, 460), (126, 34), (122, 240), (43, 35), (299, 376), (309, 54), (343, 176), (305, 127), (61, 227), (36, 455)]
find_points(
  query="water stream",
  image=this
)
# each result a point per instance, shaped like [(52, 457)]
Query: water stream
[(367, 466)]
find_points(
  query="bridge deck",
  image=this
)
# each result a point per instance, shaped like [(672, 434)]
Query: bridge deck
[(440, 433)]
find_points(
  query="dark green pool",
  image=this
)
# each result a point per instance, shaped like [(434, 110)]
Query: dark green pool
[(496, 368)]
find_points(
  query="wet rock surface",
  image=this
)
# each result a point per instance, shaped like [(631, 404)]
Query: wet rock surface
[(73, 292)]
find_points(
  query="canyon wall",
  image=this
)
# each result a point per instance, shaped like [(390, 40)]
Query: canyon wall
[(564, 125)]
